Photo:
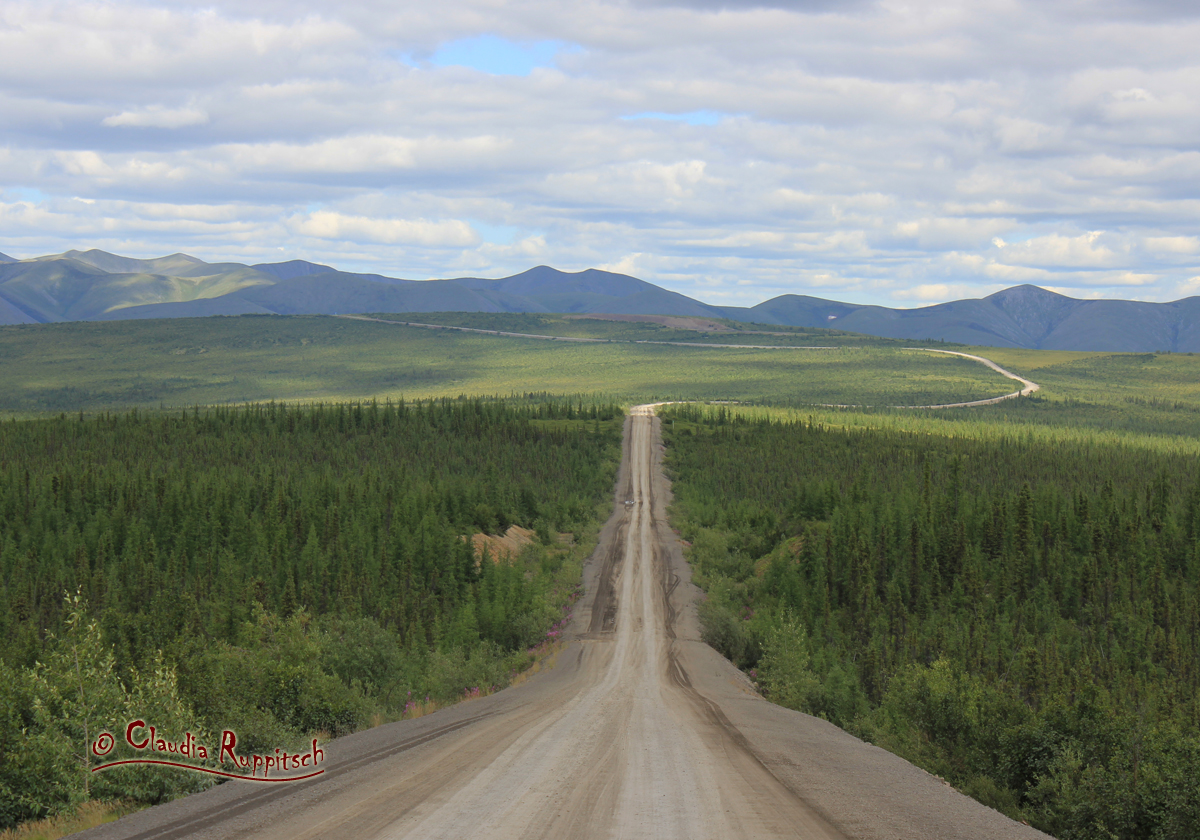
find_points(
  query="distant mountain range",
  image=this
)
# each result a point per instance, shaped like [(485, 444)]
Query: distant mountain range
[(98, 286)]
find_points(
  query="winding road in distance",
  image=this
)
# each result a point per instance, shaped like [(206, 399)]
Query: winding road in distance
[(640, 730), (1027, 387)]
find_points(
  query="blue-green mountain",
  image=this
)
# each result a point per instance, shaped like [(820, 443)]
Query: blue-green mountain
[(96, 285)]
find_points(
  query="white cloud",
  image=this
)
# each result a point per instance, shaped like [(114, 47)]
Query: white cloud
[(86, 163), (940, 292), (953, 232), (1016, 134), (326, 224), (1189, 287), (372, 153), (628, 264), (758, 240), (1056, 250), (1127, 278), (1088, 294), (637, 184), (1014, 274), (1184, 245), (156, 116), (885, 151)]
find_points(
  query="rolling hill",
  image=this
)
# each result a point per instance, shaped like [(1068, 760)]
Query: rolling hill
[(292, 268), (1023, 316), (96, 285), (72, 289)]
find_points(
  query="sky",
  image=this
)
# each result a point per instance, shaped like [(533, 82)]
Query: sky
[(901, 153)]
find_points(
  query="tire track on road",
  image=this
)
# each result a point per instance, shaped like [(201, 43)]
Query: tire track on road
[(640, 731)]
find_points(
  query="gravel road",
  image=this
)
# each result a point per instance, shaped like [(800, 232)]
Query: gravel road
[(640, 730)]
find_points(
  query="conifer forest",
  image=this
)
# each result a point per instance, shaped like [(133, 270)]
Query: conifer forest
[(1007, 596), (276, 570), (1019, 616)]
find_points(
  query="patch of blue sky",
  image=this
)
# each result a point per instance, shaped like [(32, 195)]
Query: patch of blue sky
[(499, 56), (689, 117), (496, 234), (29, 194)]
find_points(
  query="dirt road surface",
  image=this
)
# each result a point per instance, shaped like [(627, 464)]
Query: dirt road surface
[(1027, 387), (639, 731)]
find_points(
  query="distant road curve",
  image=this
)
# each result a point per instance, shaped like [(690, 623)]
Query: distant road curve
[(1027, 386)]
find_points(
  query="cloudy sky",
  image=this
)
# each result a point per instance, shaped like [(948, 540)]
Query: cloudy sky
[(888, 152)]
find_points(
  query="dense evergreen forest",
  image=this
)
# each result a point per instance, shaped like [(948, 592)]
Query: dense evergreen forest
[(273, 570), (1021, 617)]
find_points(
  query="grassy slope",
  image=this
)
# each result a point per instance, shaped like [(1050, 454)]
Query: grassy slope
[(92, 366), (1123, 393), (582, 327), (68, 289)]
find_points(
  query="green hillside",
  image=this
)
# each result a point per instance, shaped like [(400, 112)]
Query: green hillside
[(1022, 316), (95, 366), (115, 264), (94, 284), (72, 290), (681, 329)]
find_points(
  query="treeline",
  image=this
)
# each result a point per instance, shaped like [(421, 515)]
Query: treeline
[(273, 569), (1022, 619)]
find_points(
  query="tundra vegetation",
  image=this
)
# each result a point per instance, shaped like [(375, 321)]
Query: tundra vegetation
[(1005, 595), (274, 570), (207, 361), (608, 328), (1016, 609)]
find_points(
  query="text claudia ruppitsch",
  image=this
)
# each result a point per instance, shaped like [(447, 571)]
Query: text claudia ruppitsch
[(187, 753)]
